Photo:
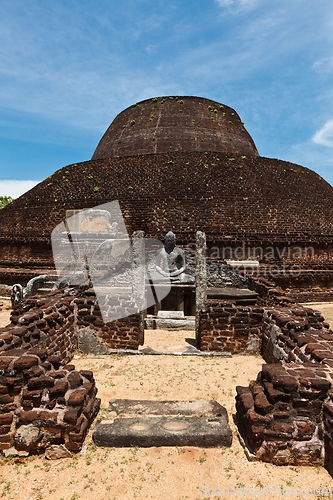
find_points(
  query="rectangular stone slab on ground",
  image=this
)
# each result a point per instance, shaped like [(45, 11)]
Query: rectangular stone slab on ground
[(149, 407), (172, 324), (170, 314), (204, 432)]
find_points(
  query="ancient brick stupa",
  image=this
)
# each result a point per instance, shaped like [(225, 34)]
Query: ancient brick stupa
[(182, 164)]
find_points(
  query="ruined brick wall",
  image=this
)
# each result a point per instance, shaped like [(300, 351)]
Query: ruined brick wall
[(269, 293), (122, 333), (285, 416), (328, 433), (43, 403), (43, 400), (46, 322), (280, 414), (296, 334), (223, 326), (303, 281)]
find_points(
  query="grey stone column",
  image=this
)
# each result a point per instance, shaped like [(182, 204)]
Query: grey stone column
[(200, 278), (139, 278)]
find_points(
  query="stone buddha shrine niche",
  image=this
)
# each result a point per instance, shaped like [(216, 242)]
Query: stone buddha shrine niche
[(170, 262), (170, 267)]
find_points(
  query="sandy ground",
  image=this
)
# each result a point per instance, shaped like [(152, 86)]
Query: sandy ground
[(161, 472)]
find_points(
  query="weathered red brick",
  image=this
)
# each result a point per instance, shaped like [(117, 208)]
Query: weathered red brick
[(41, 352), (4, 362), (79, 436), (283, 427), (87, 374), (275, 395), (286, 383), (59, 389), (27, 417), (6, 399), (25, 362), (6, 419), (71, 416), (261, 403), (40, 382), (305, 430), (77, 397), (34, 372), (75, 380)]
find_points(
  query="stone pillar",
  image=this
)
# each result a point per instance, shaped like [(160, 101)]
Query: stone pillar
[(139, 278), (200, 278)]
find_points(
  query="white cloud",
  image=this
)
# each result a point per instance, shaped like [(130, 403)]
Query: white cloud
[(324, 136), (237, 5), (151, 49), (324, 64), (15, 188)]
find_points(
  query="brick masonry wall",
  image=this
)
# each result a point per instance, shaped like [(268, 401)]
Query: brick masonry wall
[(43, 403), (45, 322), (269, 292), (179, 190), (298, 334), (280, 414), (285, 416), (43, 400), (123, 333), (223, 326)]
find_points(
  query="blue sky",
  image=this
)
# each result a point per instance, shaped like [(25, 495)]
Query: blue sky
[(67, 68)]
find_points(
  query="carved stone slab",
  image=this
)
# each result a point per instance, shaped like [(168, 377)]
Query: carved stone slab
[(205, 432)]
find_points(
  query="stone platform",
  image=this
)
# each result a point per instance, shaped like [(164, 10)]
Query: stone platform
[(239, 296), (170, 320), (178, 423), (205, 432)]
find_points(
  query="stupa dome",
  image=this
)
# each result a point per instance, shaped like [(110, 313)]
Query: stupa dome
[(166, 124)]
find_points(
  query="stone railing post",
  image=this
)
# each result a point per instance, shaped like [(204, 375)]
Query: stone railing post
[(139, 278), (200, 279)]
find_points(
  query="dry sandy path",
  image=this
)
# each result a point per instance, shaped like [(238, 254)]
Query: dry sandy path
[(161, 472)]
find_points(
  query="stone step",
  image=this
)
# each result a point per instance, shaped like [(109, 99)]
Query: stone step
[(204, 432), (231, 293), (169, 324), (170, 314)]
